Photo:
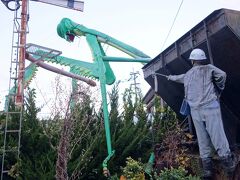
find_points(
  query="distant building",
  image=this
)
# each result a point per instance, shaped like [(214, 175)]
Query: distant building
[(148, 99)]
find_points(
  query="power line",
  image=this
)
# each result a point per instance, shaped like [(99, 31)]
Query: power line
[(172, 25)]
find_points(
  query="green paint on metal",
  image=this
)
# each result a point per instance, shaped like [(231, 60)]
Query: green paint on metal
[(68, 29), (100, 69), (149, 166), (29, 74), (123, 59), (104, 164), (97, 54), (79, 67)]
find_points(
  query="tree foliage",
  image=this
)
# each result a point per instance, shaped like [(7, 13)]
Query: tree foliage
[(131, 133), (38, 156)]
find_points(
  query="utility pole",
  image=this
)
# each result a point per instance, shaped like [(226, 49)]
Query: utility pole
[(22, 50), (134, 75), (10, 150)]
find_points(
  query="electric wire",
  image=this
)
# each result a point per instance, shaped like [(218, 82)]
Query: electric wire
[(172, 25)]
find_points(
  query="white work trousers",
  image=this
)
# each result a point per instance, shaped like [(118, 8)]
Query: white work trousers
[(210, 132)]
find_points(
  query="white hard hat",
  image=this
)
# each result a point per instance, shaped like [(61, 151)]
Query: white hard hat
[(197, 54)]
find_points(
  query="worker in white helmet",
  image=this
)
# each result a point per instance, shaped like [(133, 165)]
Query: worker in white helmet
[(202, 84)]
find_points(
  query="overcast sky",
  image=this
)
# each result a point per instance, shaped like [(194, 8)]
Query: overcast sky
[(142, 24)]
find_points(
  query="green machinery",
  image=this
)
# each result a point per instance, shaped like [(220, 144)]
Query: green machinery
[(100, 69)]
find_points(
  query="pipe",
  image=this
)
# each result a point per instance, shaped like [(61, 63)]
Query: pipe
[(59, 71)]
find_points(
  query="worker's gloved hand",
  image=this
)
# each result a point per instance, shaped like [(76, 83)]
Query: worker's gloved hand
[(170, 77)]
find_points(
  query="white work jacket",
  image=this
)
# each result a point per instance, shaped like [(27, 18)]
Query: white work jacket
[(202, 84)]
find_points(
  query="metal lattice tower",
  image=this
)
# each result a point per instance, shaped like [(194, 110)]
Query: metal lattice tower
[(134, 75), (11, 127)]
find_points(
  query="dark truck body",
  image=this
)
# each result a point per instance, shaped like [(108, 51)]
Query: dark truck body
[(219, 36)]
